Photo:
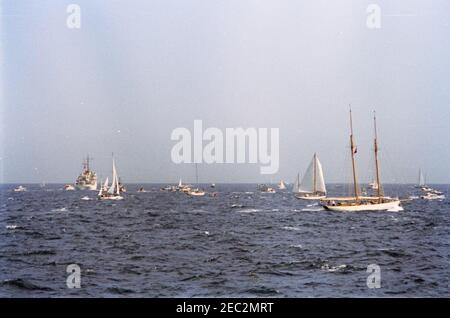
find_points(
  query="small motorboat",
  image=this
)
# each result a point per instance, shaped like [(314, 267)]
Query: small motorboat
[(432, 196), (196, 192), (69, 187), (20, 189)]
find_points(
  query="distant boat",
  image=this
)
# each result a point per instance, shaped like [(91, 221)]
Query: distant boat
[(113, 192), (168, 188), (433, 196), (282, 185), (266, 189), (141, 190), (122, 186), (197, 192), (69, 187), (87, 180), (373, 185), (421, 181), (379, 202), (312, 186), (20, 189)]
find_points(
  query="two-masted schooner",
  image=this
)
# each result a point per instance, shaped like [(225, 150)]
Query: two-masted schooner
[(312, 186), (357, 202), (111, 192)]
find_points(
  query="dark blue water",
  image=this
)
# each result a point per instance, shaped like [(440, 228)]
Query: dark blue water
[(241, 243)]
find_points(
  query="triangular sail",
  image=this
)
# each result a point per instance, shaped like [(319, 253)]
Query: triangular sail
[(180, 184), (320, 181), (116, 178), (313, 180), (114, 182), (282, 186), (421, 178), (307, 184)]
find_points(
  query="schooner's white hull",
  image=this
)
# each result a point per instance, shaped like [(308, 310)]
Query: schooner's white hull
[(311, 197), (391, 205)]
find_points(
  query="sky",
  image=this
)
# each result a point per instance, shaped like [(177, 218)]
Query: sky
[(136, 70)]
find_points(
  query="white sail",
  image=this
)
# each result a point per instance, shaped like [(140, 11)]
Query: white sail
[(115, 189), (296, 187), (320, 186), (112, 189), (281, 186), (421, 178), (313, 180), (103, 187), (180, 184)]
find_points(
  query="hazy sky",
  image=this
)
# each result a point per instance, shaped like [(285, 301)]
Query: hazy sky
[(138, 69)]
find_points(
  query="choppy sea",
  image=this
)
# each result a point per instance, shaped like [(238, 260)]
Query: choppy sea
[(239, 243)]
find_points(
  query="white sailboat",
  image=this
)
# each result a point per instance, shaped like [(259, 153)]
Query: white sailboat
[(421, 181), (20, 189), (358, 202), (113, 192), (373, 185), (313, 183), (197, 192), (282, 185)]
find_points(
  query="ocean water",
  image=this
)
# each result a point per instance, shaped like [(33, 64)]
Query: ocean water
[(240, 243)]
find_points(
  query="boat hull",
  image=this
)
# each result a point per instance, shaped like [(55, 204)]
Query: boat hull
[(114, 198), (391, 205), (318, 197), (196, 194)]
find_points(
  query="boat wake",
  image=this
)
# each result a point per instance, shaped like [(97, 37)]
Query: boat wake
[(396, 209), (313, 209), (249, 210), (291, 228), (60, 210)]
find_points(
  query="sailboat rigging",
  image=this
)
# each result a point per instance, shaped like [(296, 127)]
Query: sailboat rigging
[(312, 186), (113, 192), (358, 202), (197, 191)]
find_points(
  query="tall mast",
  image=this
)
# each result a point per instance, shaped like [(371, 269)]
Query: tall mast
[(196, 174), (353, 151), (314, 178), (87, 162), (377, 167)]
